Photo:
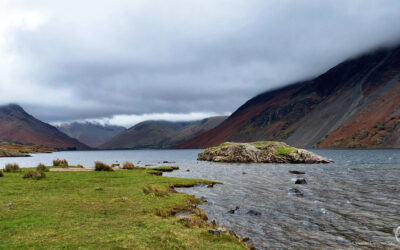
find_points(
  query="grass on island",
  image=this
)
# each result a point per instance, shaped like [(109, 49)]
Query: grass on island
[(96, 209), (279, 147)]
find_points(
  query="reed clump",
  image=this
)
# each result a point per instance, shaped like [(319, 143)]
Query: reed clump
[(128, 165), (34, 174), (60, 163), (12, 168), (101, 166)]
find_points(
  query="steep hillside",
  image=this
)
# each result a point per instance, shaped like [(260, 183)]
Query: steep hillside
[(19, 127), (91, 134), (355, 104), (160, 134)]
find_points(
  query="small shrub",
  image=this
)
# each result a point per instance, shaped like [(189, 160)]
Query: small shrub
[(128, 165), (12, 168), (79, 166), (100, 166), (1, 173), (34, 174), (155, 190), (60, 163), (42, 167)]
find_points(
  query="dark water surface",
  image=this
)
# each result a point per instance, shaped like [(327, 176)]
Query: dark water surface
[(352, 203)]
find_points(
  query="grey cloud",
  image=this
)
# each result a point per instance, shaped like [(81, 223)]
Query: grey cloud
[(140, 57)]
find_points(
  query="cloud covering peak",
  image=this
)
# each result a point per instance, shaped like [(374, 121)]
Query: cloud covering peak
[(82, 60)]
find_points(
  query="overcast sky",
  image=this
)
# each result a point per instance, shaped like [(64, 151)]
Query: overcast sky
[(124, 61)]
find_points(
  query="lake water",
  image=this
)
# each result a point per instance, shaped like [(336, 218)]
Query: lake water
[(352, 203)]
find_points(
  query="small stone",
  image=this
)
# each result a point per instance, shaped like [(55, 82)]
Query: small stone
[(245, 239), (244, 173), (123, 199), (210, 185), (98, 188), (10, 204), (296, 172), (253, 213), (232, 211), (187, 170), (217, 231), (300, 181), (214, 231)]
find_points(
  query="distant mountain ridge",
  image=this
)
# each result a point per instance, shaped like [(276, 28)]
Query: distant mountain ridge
[(354, 104), (160, 134), (17, 126), (91, 134)]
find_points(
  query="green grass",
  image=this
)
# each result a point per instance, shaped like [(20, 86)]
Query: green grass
[(263, 143), (285, 150), (165, 168), (92, 210), (69, 166)]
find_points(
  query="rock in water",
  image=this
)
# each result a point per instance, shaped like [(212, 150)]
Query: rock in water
[(295, 192), (253, 213), (296, 172), (300, 181), (232, 211), (260, 152)]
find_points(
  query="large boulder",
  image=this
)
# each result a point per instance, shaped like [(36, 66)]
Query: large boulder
[(260, 152)]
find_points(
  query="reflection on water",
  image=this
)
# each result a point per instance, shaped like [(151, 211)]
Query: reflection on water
[(354, 202)]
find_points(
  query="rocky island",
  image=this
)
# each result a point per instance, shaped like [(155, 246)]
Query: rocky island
[(260, 152)]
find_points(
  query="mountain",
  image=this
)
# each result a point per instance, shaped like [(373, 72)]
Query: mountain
[(92, 134), (17, 126), (160, 134), (355, 104)]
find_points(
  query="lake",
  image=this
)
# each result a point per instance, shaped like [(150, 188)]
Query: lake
[(354, 202)]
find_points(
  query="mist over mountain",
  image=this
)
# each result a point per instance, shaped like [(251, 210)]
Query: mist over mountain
[(355, 104), (91, 134)]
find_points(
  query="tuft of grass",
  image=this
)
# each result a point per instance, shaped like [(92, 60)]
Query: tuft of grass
[(128, 165), (165, 168), (34, 174), (60, 163), (100, 166), (12, 168), (42, 167), (263, 143), (285, 150), (1, 173), (155, 190)]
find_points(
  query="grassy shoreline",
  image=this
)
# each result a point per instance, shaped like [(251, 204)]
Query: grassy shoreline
[(88, 210)]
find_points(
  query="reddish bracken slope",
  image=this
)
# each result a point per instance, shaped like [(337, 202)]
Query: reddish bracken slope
[(17, 126), (355, 104)]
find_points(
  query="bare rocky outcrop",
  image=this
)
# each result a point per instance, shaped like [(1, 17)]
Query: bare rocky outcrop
[(259, 152)]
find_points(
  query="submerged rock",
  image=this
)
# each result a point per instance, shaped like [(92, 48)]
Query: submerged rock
[(295, 192), (253, 213), (296, 172), (260, 152), (300, 181)]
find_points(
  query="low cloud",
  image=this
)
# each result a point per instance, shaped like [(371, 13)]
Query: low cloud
[(130, 120), (87, 60)]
